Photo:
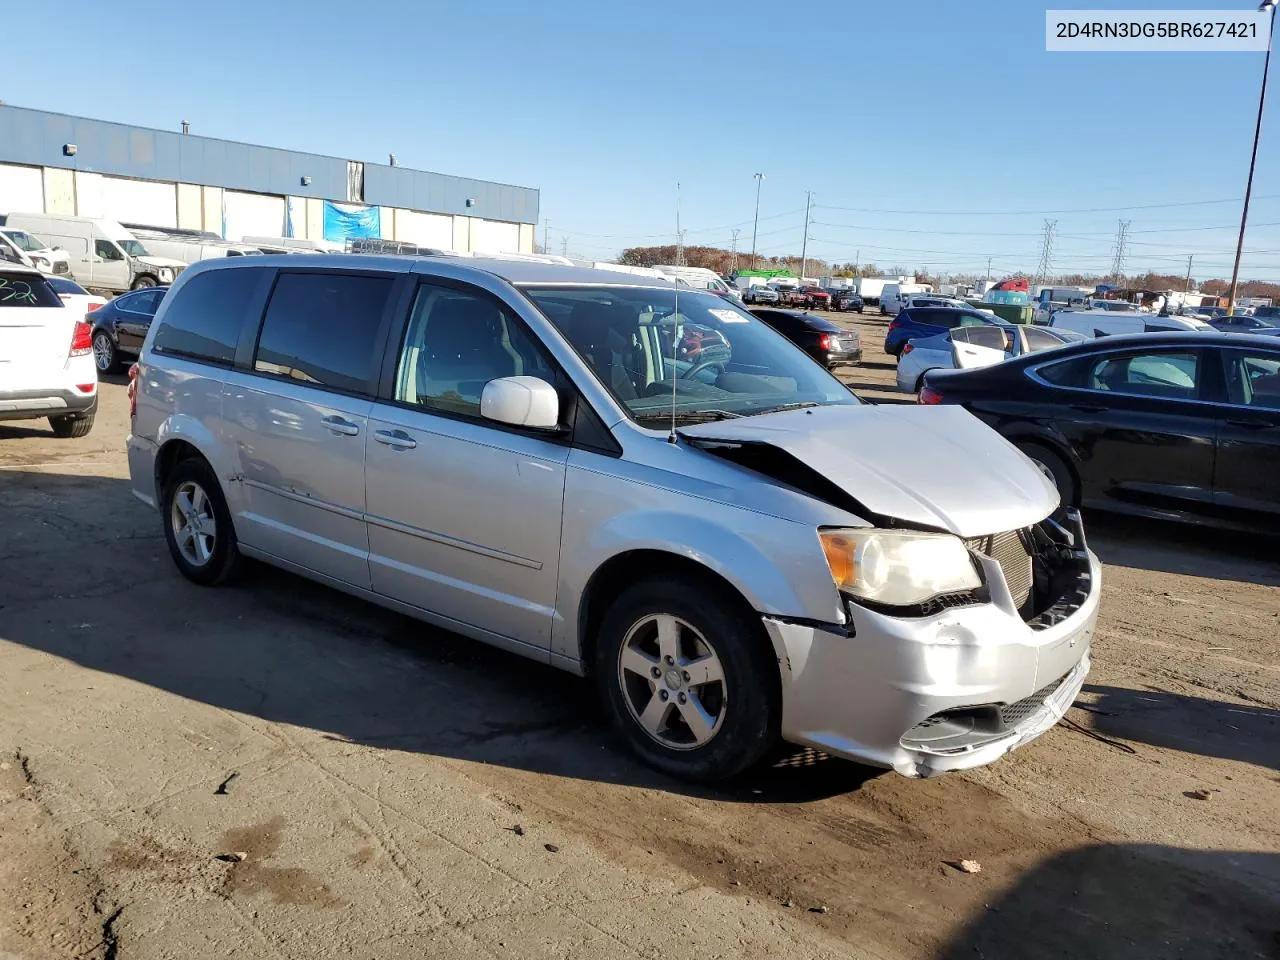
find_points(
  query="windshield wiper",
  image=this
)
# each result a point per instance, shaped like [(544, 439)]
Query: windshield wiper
[(786, 406), (690, 416)]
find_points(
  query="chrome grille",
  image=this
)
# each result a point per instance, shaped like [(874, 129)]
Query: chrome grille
[(1009, 550)]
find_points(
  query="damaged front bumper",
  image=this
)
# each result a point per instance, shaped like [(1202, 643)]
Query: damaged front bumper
[(949, 691)]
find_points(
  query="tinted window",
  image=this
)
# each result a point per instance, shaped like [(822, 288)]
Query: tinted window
[(204, 321), (937, 317), (63, 285), (1040, 339), (455, 344), (1068, 373), (1253, 379), (145, 301), (322, 329), (1171, 375), (26, 290), (986, 335)]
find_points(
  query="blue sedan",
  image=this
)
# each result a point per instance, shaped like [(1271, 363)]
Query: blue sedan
[(916, 322)]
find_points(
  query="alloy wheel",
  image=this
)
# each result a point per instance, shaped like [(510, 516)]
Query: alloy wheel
[(195, 530), (103, 352), (673, 682)]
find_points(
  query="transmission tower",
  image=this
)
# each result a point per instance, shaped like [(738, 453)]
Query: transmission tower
[(1122, 249), (1046, 251), (736, 231)]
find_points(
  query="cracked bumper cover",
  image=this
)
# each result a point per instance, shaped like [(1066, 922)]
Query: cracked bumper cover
[(858, 694)]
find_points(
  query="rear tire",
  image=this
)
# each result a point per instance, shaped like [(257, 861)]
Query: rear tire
[(105, 356), (68, 426), (197, 524), (733, 710), (1056, 469)]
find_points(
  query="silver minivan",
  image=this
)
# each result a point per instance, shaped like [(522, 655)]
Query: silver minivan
[(628, 480)]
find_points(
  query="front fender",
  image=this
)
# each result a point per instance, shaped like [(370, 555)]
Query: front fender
[(776, 565)]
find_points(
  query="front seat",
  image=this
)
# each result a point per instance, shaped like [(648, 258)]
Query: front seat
[(464, 350)]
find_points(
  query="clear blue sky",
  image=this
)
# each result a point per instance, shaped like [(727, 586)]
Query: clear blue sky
[(935, 105)]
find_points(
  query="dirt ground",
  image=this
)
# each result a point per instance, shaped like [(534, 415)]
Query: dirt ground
[(276, 771)]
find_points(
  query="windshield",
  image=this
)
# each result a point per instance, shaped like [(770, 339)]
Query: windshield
[(133, 248), (24, 241), (723, 361)]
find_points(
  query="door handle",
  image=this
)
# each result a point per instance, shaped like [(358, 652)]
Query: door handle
[(1087, 408), (1251, 424), (341, 425), (395, 438)]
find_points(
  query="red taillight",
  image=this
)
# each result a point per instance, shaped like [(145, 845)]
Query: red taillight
[(81, 339), (824, 341), (893, 324), (86, 387), (907, 348), (133, 389), (929, 395)]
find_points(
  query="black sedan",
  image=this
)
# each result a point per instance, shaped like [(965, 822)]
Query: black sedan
[(120, 327), (1184, 425), (842, 300), (829, 344)]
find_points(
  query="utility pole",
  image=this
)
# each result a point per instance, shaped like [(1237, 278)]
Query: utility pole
[(988, 269), (1046, 251), (857, 263), (1190, 257), (1122, 249), (736, 231), (1253, 158), (546, 227), (759, 180), (804, 246), (564, 246)]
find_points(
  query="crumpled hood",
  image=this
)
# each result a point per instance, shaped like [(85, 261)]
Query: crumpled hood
[(151, 261), (935, 466)]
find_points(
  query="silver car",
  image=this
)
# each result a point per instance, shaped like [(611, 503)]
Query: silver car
[(970, 347), (634, 482)]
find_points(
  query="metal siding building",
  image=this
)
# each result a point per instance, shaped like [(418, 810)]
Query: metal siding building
[(34, 138)]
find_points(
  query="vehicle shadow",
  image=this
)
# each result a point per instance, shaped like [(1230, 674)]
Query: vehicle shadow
[(1211, 728), (1124, 901), (8, 432), (1168, 547), (279, 647)]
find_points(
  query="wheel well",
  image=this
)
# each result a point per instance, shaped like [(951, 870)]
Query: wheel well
[(622, 571), (169, 456), (1056, 449)]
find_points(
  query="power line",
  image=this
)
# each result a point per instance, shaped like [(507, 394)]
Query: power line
[(1026, 213)]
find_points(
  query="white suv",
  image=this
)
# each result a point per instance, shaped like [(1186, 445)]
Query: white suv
[(46, 355)]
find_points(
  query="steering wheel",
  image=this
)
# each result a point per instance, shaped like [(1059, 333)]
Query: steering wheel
[(698, 367)]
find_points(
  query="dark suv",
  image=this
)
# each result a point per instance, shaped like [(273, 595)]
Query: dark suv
[(842, 300)]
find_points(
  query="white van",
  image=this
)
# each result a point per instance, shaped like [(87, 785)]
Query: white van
[(293, 245), (101, 253), (190, 249), (1106, 323), (894, 296), (700, 278)]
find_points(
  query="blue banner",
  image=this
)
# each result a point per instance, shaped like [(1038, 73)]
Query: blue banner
[(349, 221)]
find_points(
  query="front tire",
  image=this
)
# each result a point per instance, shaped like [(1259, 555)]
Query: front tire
[(1055, 468), (687, 680), (105, 356), (68, 427), (197, 524), (144, 281)]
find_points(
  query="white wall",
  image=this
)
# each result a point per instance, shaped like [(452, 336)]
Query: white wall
[(190, 213), (494, 236), (526, 238), (89, 195), (21, 189), (253, 214), (59, 191), (425, 229), (140, 201)]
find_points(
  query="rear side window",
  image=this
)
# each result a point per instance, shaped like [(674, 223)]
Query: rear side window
[(204, 321), (26, 290), (323, 329)]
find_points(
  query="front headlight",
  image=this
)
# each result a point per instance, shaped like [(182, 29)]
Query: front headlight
[(897, 567), (40, 262), (166, 275)]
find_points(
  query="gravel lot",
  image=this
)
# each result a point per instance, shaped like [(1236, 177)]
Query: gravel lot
[(275, 770)]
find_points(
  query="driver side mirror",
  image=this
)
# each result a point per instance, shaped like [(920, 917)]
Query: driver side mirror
[(521, 402)]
